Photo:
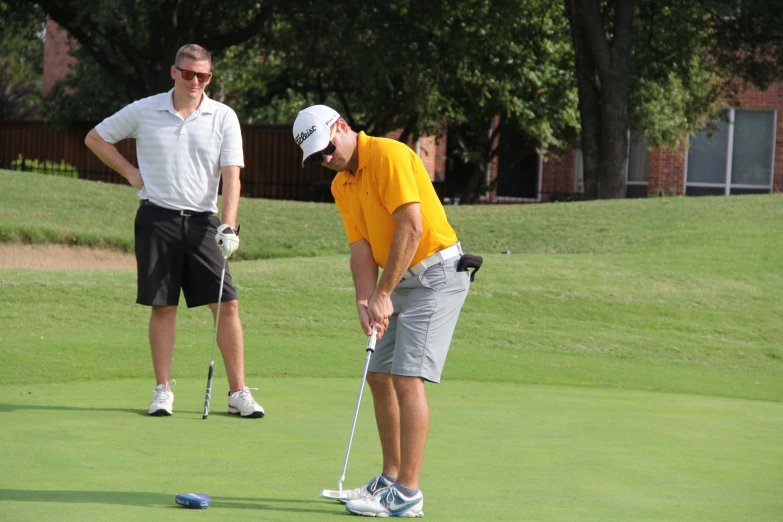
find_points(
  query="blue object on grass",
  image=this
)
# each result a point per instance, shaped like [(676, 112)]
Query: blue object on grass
[(193, 500)]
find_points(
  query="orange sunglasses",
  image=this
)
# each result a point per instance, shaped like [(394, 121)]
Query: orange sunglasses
[(188, 75)]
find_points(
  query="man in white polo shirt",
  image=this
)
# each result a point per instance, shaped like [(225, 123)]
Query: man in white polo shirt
[(185, 143)]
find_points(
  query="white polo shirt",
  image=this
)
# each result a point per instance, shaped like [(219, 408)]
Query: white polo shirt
[(179, 159)]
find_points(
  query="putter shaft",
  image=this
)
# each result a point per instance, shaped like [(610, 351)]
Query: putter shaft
[(208, 395), (370, 349)]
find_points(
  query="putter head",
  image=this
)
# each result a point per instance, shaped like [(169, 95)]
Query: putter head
[(193, 500), (334, 494)]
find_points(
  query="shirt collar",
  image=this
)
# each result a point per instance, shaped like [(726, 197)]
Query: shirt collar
[(207, 106), (363, 144), (166, 103)]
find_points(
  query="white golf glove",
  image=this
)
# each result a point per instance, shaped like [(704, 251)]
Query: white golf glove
[(227, 240)]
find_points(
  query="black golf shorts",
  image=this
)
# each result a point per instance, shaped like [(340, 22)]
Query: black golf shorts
[(176, 252)]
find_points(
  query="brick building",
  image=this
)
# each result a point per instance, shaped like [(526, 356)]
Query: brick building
[(57, 61), (744, 156)]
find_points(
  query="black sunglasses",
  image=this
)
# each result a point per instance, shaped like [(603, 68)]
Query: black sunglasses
[(188, 75), (318, 157)]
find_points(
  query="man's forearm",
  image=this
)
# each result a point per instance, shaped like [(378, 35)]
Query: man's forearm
[(364, 270), (403, 249), (108, 154), (405, 242), (231, 191)]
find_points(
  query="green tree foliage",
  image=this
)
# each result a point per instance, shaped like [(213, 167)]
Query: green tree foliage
[(371, 60), (87, 94), (251, 79), (21, 61), (508, 66), (746, 38), (673, 91), (411, 66), (691, 59), (134, 42), (17, 97)]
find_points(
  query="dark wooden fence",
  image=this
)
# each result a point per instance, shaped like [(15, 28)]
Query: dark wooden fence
[(272, 159)]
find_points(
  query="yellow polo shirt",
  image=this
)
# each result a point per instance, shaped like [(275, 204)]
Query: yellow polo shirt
[(390, 174)]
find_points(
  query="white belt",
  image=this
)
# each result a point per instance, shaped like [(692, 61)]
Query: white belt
[(438, 257)]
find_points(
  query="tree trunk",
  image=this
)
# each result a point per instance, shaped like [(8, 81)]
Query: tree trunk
[(613, 163), (589, 108), (603, 65), (589, 89)]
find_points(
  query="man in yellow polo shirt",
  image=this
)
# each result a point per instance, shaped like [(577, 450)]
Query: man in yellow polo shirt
[(393, 220)]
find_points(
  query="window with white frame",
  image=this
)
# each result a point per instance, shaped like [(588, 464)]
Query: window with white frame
[(738, 158), (638, 166), (637, 172)]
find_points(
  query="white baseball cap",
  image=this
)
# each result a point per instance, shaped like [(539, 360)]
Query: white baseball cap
[(312, 129)]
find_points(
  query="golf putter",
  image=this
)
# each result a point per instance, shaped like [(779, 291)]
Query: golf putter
[(339, 494), (214, 341)]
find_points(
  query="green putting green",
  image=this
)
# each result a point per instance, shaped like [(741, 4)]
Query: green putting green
[(88, 451)]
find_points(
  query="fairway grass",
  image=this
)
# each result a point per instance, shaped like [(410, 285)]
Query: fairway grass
[(623, 363), (496, 452), (535, 319), (35, 208)]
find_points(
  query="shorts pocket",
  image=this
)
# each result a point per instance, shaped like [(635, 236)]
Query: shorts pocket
[(436, 277)]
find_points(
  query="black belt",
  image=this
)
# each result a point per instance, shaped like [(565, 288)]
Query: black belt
[(184, 213)]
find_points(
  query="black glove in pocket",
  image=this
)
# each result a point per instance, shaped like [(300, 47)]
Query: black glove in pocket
[(468, 261)]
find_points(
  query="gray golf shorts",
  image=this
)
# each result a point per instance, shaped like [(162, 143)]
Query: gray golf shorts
[(426, 309)]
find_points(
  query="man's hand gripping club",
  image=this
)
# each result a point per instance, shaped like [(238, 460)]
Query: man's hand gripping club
[(227, 240)]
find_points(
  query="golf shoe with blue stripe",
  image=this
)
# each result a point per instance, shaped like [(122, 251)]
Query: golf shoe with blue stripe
[(388, 503), (375, 485)]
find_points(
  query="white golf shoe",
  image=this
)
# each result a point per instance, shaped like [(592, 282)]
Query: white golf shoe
[(162, 400), (388, 502), (242, 403), (365, 492)]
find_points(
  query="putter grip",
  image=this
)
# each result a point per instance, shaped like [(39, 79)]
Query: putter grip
[(371, 339), (209, 392)]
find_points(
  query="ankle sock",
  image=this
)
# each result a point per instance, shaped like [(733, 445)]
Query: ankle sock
[(389, 478), (408, 492)]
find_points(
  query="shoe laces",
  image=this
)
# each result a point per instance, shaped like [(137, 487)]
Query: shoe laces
[(383, 496), (244, 394), (163, 391), (380, 493), (376, 488)]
